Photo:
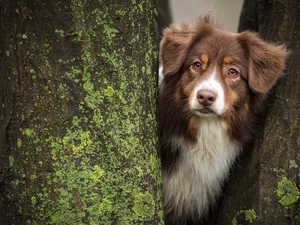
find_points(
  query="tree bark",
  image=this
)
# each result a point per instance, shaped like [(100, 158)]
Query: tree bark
[(164, 16), (78, 121), (264, 188)]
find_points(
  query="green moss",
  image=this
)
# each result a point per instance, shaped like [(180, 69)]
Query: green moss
[(288, 192), (97, 173), (109, 91), (105, 206), (11, 160), (28, 132), (19, 143), (234, 222), (279, 171), (33, 200), (250, 216), (60, 32), (293, 164), (144, 205), (88, 142)]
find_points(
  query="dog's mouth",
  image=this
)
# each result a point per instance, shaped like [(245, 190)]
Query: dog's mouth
[(205, 111)]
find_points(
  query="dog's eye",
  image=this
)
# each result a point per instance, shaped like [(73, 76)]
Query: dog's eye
[(197, 65), (232, 72)]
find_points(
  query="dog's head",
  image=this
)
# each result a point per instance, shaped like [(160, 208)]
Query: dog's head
[(215, 70)]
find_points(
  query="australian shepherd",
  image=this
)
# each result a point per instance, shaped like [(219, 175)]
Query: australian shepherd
[(213, 87)]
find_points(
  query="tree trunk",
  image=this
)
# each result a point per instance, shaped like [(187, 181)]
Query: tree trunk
[(78, 112), (164, 16), (264, 189)]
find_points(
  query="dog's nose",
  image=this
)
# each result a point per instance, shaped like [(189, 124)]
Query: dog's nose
[(206, 98)]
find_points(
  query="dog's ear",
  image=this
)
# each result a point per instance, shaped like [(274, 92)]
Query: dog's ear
[(266, 62), (174, 48)]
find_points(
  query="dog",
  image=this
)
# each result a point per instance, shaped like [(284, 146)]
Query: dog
[(213, 89)]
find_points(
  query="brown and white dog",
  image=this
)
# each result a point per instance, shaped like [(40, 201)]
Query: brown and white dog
[(213, 88)]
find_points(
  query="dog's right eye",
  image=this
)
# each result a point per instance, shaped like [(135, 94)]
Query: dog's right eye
[(232, 72), (197, 66)]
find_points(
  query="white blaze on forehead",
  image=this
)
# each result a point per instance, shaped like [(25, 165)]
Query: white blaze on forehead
[(210, 84)]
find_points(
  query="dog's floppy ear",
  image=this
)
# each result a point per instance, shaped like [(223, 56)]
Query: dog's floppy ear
[(266, 62), (174, 48)]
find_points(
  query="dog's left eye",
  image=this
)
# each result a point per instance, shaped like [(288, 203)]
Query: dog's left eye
[(197, 65), (233, 72)]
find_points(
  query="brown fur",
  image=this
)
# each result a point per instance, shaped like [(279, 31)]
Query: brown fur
[(260, 65)]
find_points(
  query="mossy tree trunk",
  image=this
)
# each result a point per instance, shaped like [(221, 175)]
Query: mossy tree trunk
[(78, 137), (264, 189)]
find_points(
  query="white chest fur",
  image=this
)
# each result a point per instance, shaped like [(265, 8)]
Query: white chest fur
[(201, 170)]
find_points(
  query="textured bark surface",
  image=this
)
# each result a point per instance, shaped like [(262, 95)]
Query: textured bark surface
[(264, 188), (78, 129), (164, 16)]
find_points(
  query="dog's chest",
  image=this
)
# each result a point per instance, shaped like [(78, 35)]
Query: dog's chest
[(201, 168), (212, 155)]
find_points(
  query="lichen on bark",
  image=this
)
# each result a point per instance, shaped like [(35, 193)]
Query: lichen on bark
[(83, 131), (287, 192)]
